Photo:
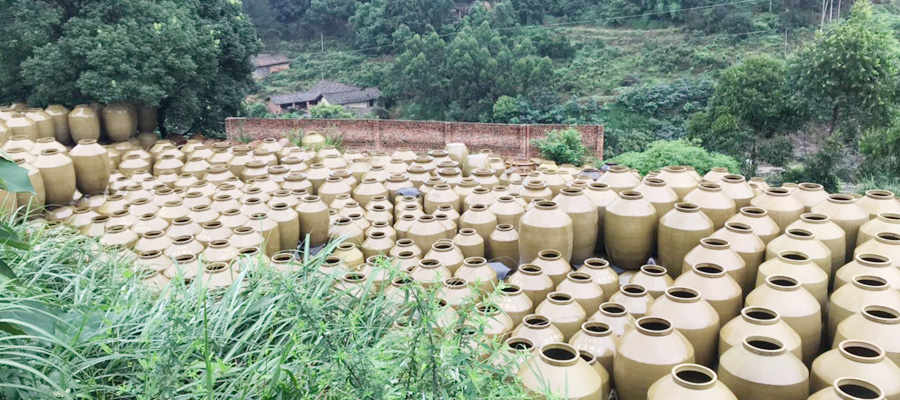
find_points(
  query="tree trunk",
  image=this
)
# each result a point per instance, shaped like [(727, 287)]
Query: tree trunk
[(835, 115)]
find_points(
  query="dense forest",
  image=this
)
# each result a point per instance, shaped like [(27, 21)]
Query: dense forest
[(807, 87)]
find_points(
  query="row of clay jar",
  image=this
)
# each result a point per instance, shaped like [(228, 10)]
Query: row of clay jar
[(115, 122)]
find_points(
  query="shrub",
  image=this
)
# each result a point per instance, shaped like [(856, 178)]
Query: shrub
[(78, 323), (562, 146), (330, 111), (820, 168), (662, 153)]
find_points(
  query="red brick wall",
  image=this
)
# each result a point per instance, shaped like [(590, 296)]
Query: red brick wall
[(387, 135)]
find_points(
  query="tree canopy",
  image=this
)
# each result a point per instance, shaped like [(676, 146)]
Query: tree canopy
[(191, 58)]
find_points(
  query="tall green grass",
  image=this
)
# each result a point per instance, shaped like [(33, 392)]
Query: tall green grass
[(78, 324)]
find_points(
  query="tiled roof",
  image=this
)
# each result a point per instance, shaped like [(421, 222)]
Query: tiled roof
[(355, 96), (265, 60), (334, 92)]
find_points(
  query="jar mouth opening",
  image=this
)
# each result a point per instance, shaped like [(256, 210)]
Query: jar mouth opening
[(795, 256), (596, 263), (654, 326), (220, 243), (631, 195), (215, 267), (550, 255), (801, 234), (809, 186), (429, 263), (510, 289), (880, 194), (687, 207), (150, 254), (560, 298), (694, 376), (840, 198), (881, 313), (857, 389), (815, 218), (888, 237), (875, 260), (654, 270), (596, 328), (536, 321), (764, 345), (782, 282), (709, 270), (613, 309), (860, 350), (504, 227), (472, 261), (870, 282), (778, 191), (559, 354), (715, 243), (634, 290), (519, 343), (681, 293), (531, 269), (545, 205)]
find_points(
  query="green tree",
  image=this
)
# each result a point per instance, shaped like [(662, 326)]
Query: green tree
[(563, 146), (850, 72), (881, 146), (330, 111), (662, 153), (750, 113), (190, 58), (288, 11), (506, 110), (375, 22)]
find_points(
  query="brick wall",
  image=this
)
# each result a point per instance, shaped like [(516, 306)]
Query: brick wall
[(387, 135)]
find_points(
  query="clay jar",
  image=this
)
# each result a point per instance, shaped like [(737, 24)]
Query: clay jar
[(536, 189), (879, 201), (584, 216), (678, 178), (843, 211), (713, 202), (615, 316), (868, 264), (762, 369), (545, 227), (654, 278), (885, 222), (442, 194), (470, 243), (760, 321), (850, 299), (879, 325), (58, 174), (746, 244), (629, 229), (314, 220), (634, 298), (619, 178), (858, 359), (582, 288), (448, 254), (693, 317), (601, 195), (430, 272), (558, 369), (781, 207), (798, 266), (602, 274), (492, 321), (825, 231), (84, 123), (680, 231), (503, 246), (647, 353), (718, 251), (809, 194), (657, 193), (690, 381), (716, 287), (797, 308), (884, 243), (803, 241), (849, 389), (513, 301), (538, 329), (597, 339), (425, 231), (480, 219), (60, 116), (119, 122), (758, 219), (563, 312), (736, 188), (507, 211), (288, 225)]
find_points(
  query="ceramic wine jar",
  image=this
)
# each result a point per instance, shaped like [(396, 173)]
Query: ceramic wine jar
[(796, 306), (557, 368), (876, 202), (718, 251), (545, 227), (585, 219), (602, 274), (736, 188), (507, 211), (715, 287), (288, 222), (849, 389), (802, 241), (480, 219), (58, 174), (758, 219), (653, 278), (314, 220), (657, 193), (827, 232), (634, 298), (679, 179), (60, 116), (513, 301), (713, 202), (868, 264), (646, 354), (884, 243), (538, 329), (503, 246), (597, 339), (119, 121), (693, 317), (809, 194), (615, 316), (746, 244), (863, 290), (553, 265), (760, 321), (601, 195), (426, 230), (858, 359), (533, 281), (91, 163), (690, 381), (799, 266), (471, 244), (843, 211), (619, 179), (20, 125), (582, 288), (762, 369), (781, 207), (680, 231), (563, 312), (885, 222), (629, 229)]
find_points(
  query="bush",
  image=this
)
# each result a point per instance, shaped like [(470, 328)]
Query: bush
[(563, 146), (330, 111), (79, 323), (820, 168), (662, 153)]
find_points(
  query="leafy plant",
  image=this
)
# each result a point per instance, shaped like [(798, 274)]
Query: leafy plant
[(563, 146), (330, 111), (662, 153), (820, 168)]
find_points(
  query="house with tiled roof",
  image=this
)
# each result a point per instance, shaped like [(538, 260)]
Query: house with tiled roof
[(268, 64), (326, 92)]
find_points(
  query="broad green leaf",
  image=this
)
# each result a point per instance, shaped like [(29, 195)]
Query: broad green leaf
[(6, 271), (9, 238), (13, 178)]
